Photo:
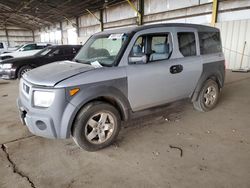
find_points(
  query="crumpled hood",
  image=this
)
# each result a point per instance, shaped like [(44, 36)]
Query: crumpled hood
[(51, 74)]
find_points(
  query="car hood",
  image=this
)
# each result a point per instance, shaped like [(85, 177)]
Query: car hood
[(19, 59), (51, 74), (21, 53)]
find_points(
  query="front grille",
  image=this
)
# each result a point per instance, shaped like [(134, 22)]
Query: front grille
[(26, 88)]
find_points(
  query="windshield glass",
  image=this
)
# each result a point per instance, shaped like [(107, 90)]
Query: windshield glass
[(19, 47), (102, 49)]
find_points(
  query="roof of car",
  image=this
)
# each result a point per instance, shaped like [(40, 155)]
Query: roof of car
[(65, 46), (139, 28)]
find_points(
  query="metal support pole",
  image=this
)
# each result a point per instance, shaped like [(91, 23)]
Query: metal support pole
[(243, 53), (214, 12), (141, 10), (61, 29), (100, 20), (77, 27), (139, 15), (33, 35), (7, 36)]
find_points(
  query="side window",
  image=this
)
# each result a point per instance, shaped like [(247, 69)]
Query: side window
[(210, 42), (139, 47), (1, 45), (38, 47), (74, 50), (187, 44), (29, 47), (57, 52), (70, 51), (67, 51), (160, 47)]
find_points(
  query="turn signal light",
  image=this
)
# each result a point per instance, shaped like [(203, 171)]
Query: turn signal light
[(74, 91)]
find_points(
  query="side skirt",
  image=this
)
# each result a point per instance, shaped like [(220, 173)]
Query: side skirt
[(160, 110)]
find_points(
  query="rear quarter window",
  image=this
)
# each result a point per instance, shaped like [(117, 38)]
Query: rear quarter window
[(1, 45), (210, 42)]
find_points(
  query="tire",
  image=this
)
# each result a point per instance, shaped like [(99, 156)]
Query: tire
[(96, 126), (23, 70), (208, 96)]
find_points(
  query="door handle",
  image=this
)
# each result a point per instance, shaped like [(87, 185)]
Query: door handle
[(176, 69)]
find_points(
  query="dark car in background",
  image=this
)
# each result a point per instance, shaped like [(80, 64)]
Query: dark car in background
[(16, 67)]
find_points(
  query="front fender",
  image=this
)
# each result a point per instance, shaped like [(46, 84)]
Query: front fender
[(116, 91)]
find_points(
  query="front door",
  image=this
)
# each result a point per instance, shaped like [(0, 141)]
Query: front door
[(164, 78)]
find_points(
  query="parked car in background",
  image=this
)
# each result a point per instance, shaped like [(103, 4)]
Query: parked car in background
[(24, 50), (3, 47), (120, 74), (14, 68)]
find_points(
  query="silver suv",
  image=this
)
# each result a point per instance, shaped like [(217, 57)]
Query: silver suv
[(119, 73)]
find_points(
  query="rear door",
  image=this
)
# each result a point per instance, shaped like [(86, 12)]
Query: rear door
[(169, 75), (189, 58)]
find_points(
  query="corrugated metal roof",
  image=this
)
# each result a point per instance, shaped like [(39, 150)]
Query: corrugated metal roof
[(35, 14)]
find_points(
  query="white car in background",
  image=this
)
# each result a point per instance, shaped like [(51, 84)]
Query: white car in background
[(4, 48), (24, 50)]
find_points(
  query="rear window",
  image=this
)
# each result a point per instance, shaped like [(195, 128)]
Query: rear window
[(210, 42), (187, 44)]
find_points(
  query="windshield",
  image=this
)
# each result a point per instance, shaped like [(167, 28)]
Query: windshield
[(19, 47), (102, 50)]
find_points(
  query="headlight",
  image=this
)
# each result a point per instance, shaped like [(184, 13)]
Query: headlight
[(43, 98), (7, 66)]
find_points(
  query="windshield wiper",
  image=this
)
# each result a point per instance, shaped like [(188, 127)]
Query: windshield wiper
[(81, 61)]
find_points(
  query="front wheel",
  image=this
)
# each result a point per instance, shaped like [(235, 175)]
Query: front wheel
[(208, 97), (22, 71), (96, 126)]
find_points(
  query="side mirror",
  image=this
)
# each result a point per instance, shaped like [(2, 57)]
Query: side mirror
[(138, 60)]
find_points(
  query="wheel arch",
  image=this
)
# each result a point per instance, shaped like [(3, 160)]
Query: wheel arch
[(109, 95), (19, 67), (212, 70), (213, 76)]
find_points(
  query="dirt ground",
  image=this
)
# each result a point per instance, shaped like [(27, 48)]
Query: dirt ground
[(215, 148)]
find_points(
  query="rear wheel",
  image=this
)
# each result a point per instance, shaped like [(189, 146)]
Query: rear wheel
[(96, 126), (208, 97), (23, 70)]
